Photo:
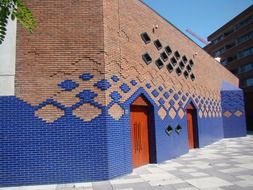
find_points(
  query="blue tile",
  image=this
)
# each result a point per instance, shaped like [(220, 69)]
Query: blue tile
[(155, 93), (171, 102), (115, 78), (115, 96), (176, 97), (160, 88), (68, 85), (87, 95), (180, 103), (166, 95), (161, 101), (148, 85), (86, 76), (103, 85), (125, 88), (133, 82)]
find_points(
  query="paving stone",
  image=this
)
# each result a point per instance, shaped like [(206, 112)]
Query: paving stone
[(224, 165)]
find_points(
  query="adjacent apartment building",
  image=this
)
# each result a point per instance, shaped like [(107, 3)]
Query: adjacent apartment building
[(102, 87), (233, 44)]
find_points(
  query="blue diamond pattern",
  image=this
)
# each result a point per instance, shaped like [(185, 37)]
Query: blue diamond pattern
[(68, 85), (148, 85), (176, 97), (86, 76), (161, 101), (115, 78), (180, 103), (166, 95), (171, 90), (115, 96), (172, 102), (133, 82), (87, 95), (103, 84), (184, 98), (160, 88), (125, 88), (155, 93)]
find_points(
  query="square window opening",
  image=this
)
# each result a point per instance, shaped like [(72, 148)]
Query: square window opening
[(178, 71), (192, 77), (164, 56), (147, 58), (173, 61), (168, 50), (177, 55), (184, 59), (159, 63), (188, 67), (158, 44), (145, 37), (169, 68), (191, 63), (181, 65), (186, 74)]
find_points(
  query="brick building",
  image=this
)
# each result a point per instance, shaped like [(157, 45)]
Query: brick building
[(102, 87), (233, 43)]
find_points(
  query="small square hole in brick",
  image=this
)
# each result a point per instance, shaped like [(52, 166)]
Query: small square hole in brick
[(145, 37), (159, 63), (181, 65), (169, 130), (192, 77), (164, 56), (177, 55), (169, 68), (191, 63), (168, 50), (184, 59), (147, 58), (173, 61), (158, 44), (186, 74), (178, 71), (188, 67)]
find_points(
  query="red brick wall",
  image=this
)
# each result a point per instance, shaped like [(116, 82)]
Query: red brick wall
[(125, 20), (67, 42)]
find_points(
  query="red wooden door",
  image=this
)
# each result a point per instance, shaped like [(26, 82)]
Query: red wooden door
[(140, 137), (190, 128)]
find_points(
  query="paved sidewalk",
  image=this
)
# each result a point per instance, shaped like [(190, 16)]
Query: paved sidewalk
[(225, 165)]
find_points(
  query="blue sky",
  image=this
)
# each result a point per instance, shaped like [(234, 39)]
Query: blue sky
[(201, 16)]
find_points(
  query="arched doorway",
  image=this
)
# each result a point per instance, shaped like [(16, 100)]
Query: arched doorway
[(192, 126), (142, 132)]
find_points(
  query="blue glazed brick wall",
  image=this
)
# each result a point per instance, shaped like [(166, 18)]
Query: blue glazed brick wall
[(71, 150), (35, 152), (233, 113)]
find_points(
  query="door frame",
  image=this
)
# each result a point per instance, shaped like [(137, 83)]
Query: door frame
[(192, 107), (142, 101)]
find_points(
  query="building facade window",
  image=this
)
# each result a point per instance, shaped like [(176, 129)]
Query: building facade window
[(245, 52), (244, 22), (218, 52), (245, 37), (247, 83), (245, 68)]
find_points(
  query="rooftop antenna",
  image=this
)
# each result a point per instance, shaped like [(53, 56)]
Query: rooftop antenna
[(204, 41)]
